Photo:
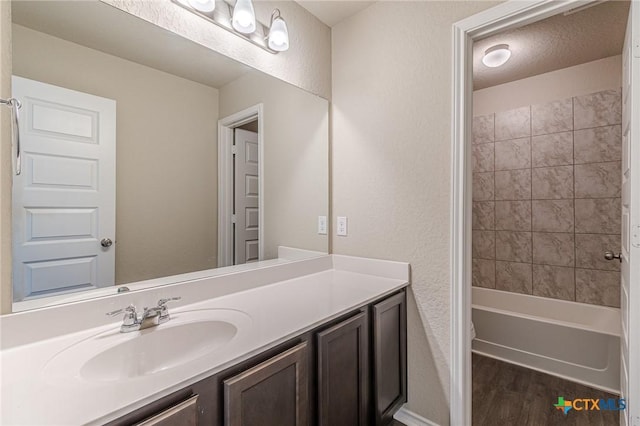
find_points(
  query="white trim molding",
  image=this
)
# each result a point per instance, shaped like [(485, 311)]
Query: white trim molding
[(225, 180), (505, 16), (409, 418)]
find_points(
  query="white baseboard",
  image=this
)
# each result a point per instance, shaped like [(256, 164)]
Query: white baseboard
[(410, 418)]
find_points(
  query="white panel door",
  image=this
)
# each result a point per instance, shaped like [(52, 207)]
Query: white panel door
[(630, 270), (64, 199), (246, 196)]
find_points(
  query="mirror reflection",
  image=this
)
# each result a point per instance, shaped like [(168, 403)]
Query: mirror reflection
[(145, 155)]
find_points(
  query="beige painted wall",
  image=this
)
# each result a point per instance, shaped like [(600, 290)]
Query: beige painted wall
[(5, 158), (582, 79), (166, 153), (391, 117), (296, 160), (307, 63)]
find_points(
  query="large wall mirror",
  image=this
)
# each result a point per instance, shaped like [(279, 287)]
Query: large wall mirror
[(145, 155)]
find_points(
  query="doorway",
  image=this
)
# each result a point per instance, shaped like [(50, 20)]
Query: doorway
[(504, 17), (241, 184)]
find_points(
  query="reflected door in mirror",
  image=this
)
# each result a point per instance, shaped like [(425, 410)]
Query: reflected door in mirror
[(64, 199), (246, 184)]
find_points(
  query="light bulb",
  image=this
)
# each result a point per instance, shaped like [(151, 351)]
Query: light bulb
[(496, 56), (244, 18), (203, 5), (278, 35)]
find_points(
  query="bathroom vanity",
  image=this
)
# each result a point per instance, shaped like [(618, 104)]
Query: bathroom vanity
[(325, 374), (318, 341)]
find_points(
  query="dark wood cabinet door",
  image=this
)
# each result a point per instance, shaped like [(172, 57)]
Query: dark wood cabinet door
[(389, 357), (273, 393), (343, 373), (182, 414)]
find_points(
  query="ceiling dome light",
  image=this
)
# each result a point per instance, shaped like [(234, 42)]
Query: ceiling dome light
[(496, 55), (244, 17), (278, 33), (202, 5)]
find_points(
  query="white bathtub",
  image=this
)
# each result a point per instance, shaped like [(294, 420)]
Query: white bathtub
[(576, 341)]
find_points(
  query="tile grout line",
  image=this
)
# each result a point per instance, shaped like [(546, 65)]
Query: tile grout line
[(548, 199), (495, 234), (531, 188), (575, 243), (573, 129), (551, 167), (549, 264)]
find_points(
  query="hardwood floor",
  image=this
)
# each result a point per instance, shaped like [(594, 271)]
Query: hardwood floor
[(509, 395)]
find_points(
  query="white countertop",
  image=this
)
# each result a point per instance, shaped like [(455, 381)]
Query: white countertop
[(278, 311)]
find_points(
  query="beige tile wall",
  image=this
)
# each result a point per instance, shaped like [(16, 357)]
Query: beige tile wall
[(546, 199)]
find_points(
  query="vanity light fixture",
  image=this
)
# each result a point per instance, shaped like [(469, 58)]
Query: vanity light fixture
[(278, 33), (244, 17), (239, 18), (496, 56)]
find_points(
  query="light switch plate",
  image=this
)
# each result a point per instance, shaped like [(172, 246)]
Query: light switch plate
[(322, 225), (342, 226)]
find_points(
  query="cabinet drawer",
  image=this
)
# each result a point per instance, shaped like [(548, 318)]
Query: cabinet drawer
[(182, 414)]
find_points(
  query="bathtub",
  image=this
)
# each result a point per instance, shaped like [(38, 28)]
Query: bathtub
[(575, 341)]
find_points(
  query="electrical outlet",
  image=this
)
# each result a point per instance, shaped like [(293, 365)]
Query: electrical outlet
[(342, 226), (322, 225)]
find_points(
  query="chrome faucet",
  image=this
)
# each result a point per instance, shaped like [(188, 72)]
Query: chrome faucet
[(150, 316)]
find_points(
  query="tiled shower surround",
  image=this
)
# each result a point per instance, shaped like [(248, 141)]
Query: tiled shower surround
[(546, 199)]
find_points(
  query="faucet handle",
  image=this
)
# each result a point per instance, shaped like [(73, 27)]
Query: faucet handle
[(164, 311), (163, 302), (130, 315), (128, 309)]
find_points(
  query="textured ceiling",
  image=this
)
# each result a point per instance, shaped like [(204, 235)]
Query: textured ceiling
[(331, 12), (558, 42)]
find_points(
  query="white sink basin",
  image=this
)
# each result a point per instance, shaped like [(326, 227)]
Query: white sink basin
[(114, 356)]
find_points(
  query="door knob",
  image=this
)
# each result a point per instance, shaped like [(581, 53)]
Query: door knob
[(106, 242), (609, 255)]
